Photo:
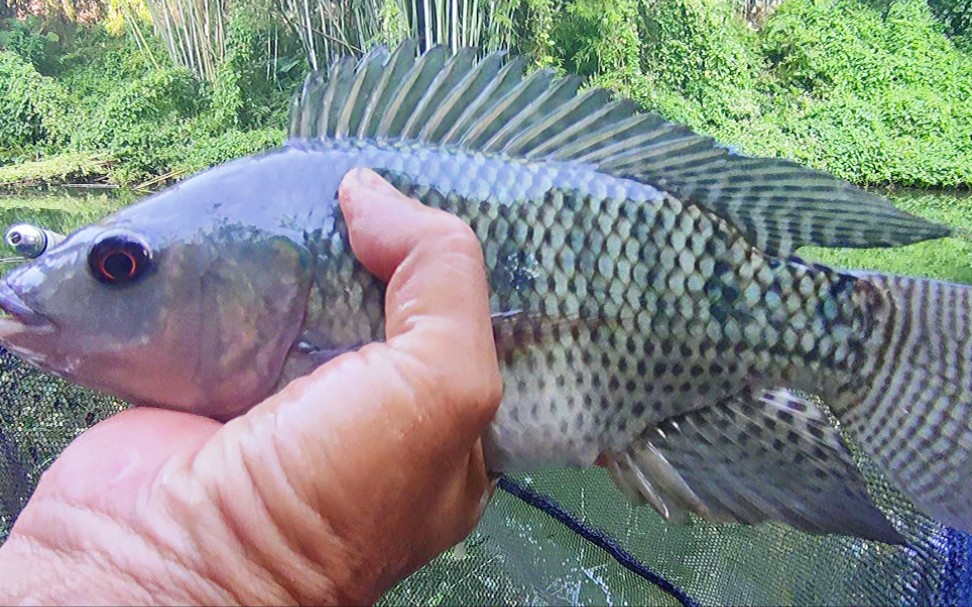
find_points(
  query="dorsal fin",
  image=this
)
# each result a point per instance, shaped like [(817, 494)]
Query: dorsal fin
[(487, 105)]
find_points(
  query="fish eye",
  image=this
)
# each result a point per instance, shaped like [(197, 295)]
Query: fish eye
[(118, 258)]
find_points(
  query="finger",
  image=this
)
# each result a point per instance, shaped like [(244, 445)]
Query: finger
[(122, 452), (375, 213), (437, 298)]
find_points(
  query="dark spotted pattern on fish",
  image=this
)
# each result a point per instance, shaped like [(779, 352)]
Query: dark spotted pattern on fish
[(629, 307)]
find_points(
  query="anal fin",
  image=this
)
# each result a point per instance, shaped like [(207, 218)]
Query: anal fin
[(748, 459)]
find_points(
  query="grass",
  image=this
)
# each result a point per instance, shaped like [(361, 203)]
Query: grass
[(73, 167), (946, 259)]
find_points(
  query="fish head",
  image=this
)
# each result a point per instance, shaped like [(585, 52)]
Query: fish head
[(172, 302)]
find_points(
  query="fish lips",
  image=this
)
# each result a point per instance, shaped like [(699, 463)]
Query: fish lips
[(19, 317)]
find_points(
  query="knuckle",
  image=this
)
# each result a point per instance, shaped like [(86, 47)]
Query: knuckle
[(482, 389), (457, 234)]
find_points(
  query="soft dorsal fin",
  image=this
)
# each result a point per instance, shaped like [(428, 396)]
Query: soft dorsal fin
[(489, 106)]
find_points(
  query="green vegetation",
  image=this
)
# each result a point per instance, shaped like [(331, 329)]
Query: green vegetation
[(874, 95), (102, 97), (875, 92), (67, 167)]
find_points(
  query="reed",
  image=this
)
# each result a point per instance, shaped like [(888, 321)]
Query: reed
[(193, 32), (329, 29)]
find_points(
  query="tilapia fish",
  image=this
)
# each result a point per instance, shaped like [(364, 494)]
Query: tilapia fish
[(650, 315)]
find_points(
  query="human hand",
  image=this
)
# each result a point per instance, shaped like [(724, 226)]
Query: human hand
[(328, 492)]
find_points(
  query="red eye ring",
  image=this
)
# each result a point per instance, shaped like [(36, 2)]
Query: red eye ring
[(119, 258)]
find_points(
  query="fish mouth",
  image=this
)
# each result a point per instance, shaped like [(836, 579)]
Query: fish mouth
[(13, 311)]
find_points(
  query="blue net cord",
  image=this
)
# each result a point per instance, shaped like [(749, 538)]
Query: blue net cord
[(956, 586), (596, 537)]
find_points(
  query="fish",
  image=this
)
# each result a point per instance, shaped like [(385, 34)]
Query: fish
[(650, 312)]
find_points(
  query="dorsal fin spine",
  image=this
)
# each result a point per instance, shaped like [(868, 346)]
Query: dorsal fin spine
[(400, 61), (525, 136), (486, 107), (490, 119), (457, 93), (578, 127), (464, 124), (403, 91), (459, 65), (576, 151), (499, 139), (369, 69)]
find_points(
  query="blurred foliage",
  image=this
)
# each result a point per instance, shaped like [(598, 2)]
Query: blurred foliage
[(25, 39), (32, 109), (956, 15), (876, 92), (105, 96)]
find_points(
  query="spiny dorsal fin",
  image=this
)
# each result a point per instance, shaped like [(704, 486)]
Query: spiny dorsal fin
[(488, 106), (749, 459)]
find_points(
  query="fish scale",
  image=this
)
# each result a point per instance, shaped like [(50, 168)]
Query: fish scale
[(580, 316), (649, 313)]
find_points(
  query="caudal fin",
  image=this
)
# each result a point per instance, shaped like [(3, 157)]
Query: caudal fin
[(910, 404)]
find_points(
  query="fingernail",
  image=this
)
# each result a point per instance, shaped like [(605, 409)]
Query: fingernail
[(366, 179)]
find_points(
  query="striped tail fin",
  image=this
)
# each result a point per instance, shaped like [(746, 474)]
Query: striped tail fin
[(910, 403)]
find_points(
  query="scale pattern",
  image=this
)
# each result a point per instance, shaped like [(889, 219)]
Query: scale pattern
[(616, 306)]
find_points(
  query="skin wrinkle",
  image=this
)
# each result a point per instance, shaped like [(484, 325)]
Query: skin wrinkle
[(192, 513), (67, 569), (83, 557), (310, 511), (216, 563), (227, 508), (274, 567), (170, 552), (291, 541)]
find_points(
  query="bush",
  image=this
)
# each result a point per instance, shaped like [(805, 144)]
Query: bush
[(956, 15), (874, 96), (24, 38), (145, 123), (32, 115)]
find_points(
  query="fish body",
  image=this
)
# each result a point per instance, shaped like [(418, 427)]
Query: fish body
[(646, 319)]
